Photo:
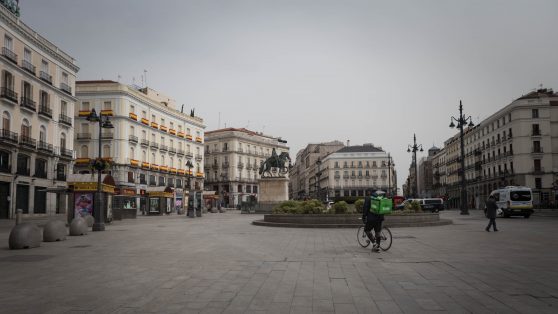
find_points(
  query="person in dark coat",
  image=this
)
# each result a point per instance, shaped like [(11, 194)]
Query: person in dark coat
[(372, 221), (491, 209)]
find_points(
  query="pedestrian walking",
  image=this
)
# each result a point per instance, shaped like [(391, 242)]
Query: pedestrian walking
[(491, 209)]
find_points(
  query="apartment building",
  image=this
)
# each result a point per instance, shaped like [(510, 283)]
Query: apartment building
[(303, 177), (150, 145), (232, 160), (425, 174), (517, 145), (36, 103), (352, 170)]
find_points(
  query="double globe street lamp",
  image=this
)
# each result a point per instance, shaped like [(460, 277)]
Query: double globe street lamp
[(462, 120), (191, 201), (414, 148), (99, 165)]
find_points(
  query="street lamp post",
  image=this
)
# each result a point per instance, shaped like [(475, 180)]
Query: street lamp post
[(318, 175), (390, 164), (191, 213), (461, 122), (414, 148), (99, 224)]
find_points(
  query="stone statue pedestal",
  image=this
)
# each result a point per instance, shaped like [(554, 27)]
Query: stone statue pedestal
[(273, 191)]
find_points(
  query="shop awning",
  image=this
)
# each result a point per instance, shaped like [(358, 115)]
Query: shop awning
[(160, 191), (88, 182)]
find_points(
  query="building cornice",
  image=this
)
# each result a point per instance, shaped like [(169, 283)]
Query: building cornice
[(29, 34)]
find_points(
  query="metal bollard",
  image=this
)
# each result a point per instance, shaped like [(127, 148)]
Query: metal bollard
[(19, 216)]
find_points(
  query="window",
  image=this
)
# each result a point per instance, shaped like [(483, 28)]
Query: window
[(23, 164), (107, 105), (44, 66), (65, 78), (336, 164), (143, 114), (8, 42), (106, 150), (42, 134), (162, 121), (537, 165), (27, 90), (84, 151), (130, 177), (537, 147), (85, 106), (40, 168), (132, 109), (535, 113), (5, 161), (538, 183), (536, 130), (27, 55), (25, 128), (132, 153), (63, 107), (132, 130), (5, 121), (63, 141)]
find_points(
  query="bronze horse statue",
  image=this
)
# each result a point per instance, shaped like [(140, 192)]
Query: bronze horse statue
[(277, 163)]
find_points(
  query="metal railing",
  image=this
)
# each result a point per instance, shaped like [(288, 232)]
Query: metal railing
[(28, 66), (44, 146), (144, 142), (107, 135), (8, 53), (27, 141), (163, 147), (83, 136), (66, 88), (66, 152), (45, 110), (45, 77), (28, 103), (8, 93), (133, 138), (65, 119), (8, 135)]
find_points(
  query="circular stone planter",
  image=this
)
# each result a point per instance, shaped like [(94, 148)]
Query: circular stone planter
[(348, 220)]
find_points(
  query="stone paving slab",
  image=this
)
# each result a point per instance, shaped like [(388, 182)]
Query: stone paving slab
[(221, 263)]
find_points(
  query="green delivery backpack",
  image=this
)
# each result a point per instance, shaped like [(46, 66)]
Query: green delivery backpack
[(381, 205)]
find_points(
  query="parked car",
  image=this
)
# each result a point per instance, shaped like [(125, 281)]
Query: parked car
[(513, 201), (432, 204), (405, 202)]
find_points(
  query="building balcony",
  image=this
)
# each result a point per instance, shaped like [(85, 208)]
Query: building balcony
[(144, 142), (28, 66), (23, 171), (28, 103), (8, 136), (82, 162), (537, 171), (45, 147), (172, 150), (133, 116), (133, 139), (107, 135), (199, 157), (240, 165), (537, 150), (225, 165), (163, 128), (172, 131), (145, 165), (64, 119), (83, 136), (45, 77), (181, 134), (154, 145), (536, 133), (180, 152), (45, 110), (9, 54), (9, 94), (199, 139), (66, 152), (6, 168), (27, 141), (154, 125), (189, 155), (40, 173), (163, 148), (144, 121), (66, 88)]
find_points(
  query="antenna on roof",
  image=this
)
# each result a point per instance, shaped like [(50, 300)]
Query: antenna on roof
[(118, 79), (182, 109)]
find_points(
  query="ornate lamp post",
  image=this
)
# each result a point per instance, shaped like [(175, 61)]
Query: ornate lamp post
[(98, 210), (390, 164), (414, 148), (192, 213), (462, 122)]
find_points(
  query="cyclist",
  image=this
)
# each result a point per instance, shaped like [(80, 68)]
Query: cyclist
[(372, 221)]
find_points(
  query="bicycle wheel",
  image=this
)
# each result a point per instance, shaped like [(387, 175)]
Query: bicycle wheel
[(362, 237), (385, 244)]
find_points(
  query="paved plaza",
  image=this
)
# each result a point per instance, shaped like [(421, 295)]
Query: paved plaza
[(221, 263)]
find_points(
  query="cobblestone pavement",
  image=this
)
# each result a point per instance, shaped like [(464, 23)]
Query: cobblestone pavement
[(220, 263)]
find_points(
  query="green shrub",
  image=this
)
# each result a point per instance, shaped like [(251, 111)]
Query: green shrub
[(340, 207), (413, 206), (312, 207), (359, 205), (287, 207)]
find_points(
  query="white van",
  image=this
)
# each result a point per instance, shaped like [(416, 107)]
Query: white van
[(514, 201)]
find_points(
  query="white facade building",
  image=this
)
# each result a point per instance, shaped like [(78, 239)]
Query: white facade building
[(232, 160), (150, 144), (36, 103)]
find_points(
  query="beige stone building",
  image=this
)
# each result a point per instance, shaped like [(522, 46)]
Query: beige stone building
[(517, 145), (37, 105), (232, 160), (303, 175), (150, 144)]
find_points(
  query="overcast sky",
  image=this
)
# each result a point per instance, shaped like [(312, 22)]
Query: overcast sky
[(314, 71)]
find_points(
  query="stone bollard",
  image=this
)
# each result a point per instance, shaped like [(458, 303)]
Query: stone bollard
[(54, 230), (24, 235), (90, 220), (78, 227)]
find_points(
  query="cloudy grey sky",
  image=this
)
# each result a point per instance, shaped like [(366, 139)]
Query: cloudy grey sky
[(313, 71)]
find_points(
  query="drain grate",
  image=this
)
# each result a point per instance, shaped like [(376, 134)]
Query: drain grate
[(404, 237), (80, 246), (25, 258)]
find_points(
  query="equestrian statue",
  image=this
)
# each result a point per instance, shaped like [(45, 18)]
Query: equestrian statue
[(276, 164)]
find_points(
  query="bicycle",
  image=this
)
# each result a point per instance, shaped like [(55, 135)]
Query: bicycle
[(385, 240)]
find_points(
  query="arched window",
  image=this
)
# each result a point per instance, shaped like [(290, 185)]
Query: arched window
[(63, 140), (106, 151), (25, 128), (132, 130), (132, 153), (171, 162), (42, 134), (153, 158), (180, 163), (84, 151), (162, 160), (143, 156), (6, 121)]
